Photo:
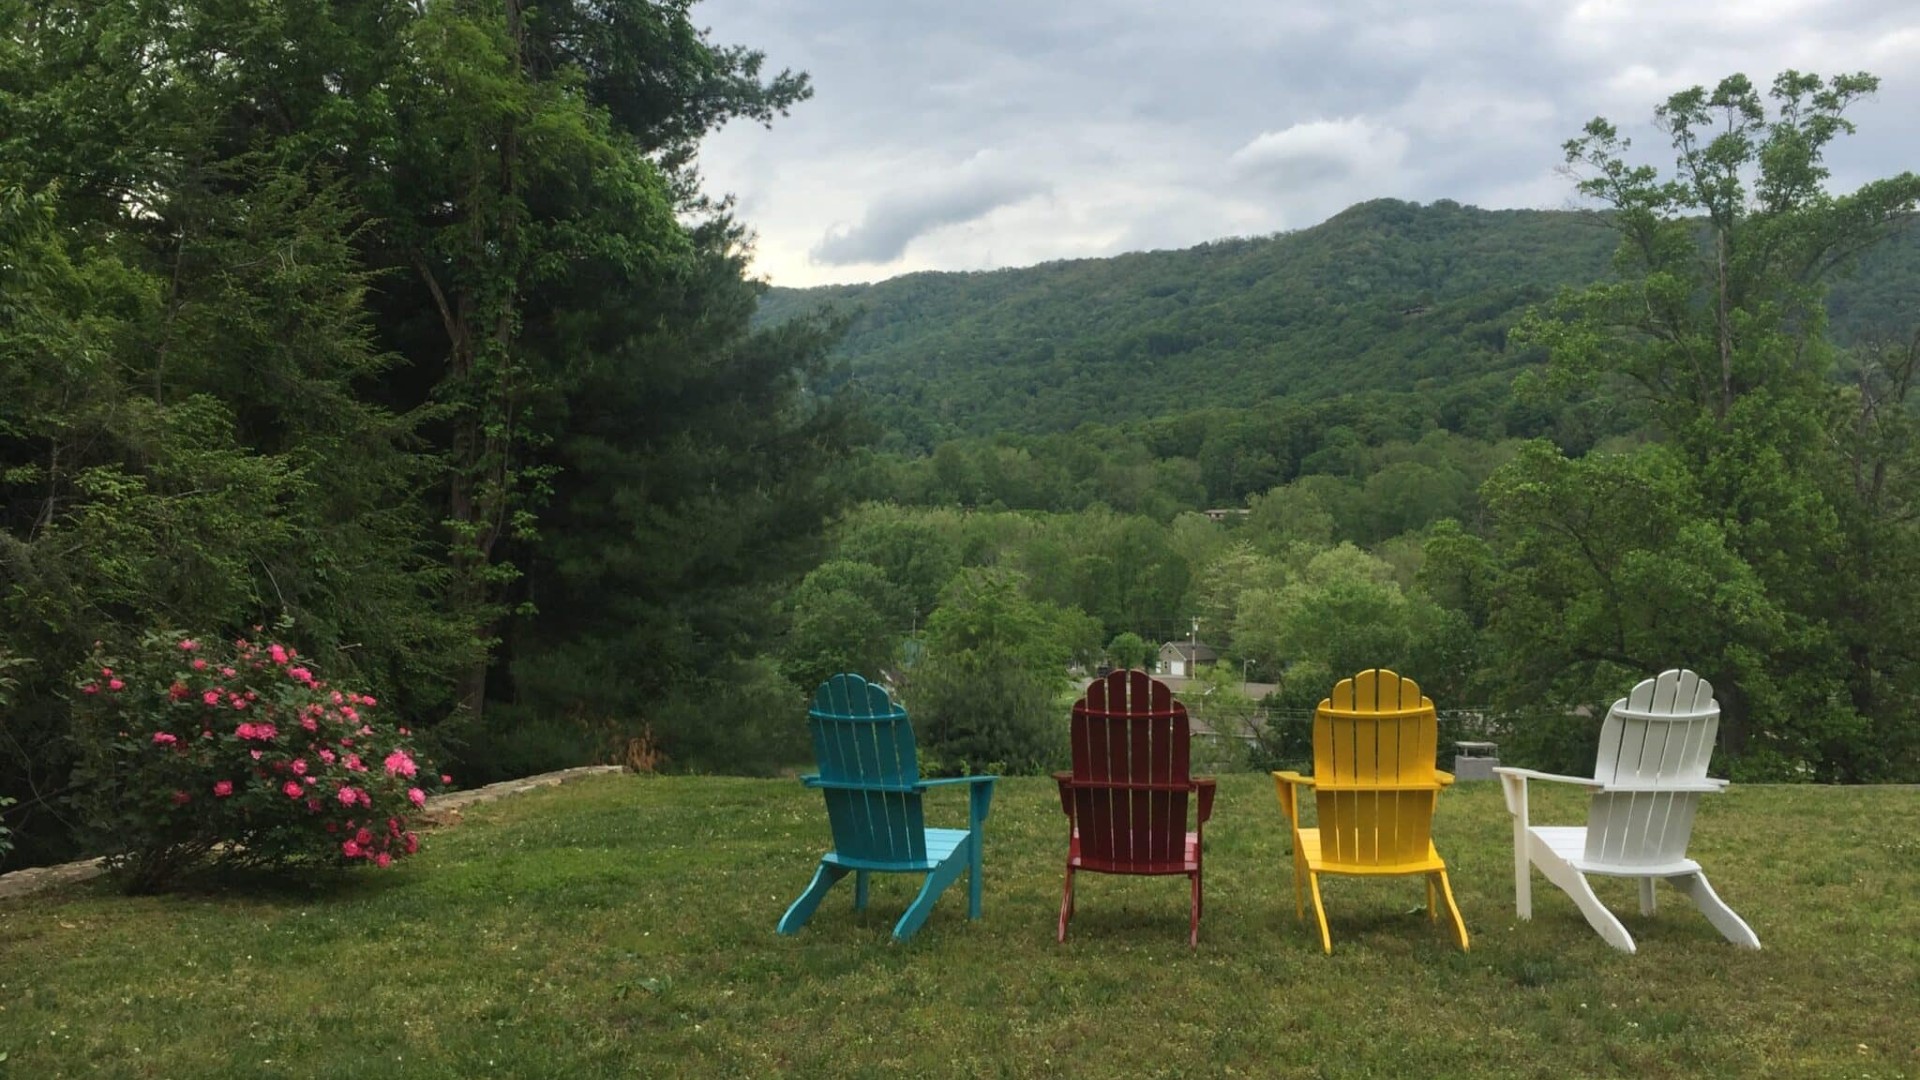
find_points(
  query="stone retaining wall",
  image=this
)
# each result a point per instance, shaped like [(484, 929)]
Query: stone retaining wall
[(440, 809)]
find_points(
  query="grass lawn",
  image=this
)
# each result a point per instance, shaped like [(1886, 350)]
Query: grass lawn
[(623, 926)]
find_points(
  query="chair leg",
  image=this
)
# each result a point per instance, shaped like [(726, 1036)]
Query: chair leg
[(1647, 902), (1299, 885), (1193, 924), (1453, 909), (976, 875), (860, 889), (1731, 926), (1066, 904), (1320, 912), (1433, 906), (1522, 868), (1575, 885), (937, 881), (802, 909)]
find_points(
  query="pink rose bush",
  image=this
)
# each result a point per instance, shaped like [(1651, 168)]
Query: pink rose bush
[(197, 751)]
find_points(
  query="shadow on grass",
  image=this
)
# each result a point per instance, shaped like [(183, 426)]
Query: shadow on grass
[(281, 885)]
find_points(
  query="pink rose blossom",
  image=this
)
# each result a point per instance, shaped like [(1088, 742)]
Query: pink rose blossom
[(348, 795), (211, 697), (227, 672), (106, 673), (353, 760), (188, 645), (199, 664), (90, 688), (256, 757), (116, 684), (399, 764), (350, 849), (278, 652), (383, 860), (365, 799), (300, 674), (413, 843), (300, 766), (326, 755), (445, 779), (309, 723), (313, 806), (416, 796), (364, 838), (178, 691), (164, 738), (293, 789), (223, 788), (347, 711)]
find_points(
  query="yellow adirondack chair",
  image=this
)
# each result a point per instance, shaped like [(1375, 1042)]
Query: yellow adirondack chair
[(1375, 788)]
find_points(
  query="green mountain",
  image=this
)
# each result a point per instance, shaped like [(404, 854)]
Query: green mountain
[(1386, 296)]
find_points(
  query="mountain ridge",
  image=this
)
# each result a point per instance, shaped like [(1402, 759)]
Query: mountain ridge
[(1386, 295)]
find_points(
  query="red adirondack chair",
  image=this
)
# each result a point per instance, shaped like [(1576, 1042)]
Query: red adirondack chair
[(1126, 798)]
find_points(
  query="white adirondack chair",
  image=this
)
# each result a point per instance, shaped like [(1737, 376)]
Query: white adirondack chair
[(1651, 772)]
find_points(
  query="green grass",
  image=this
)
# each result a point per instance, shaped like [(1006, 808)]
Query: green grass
[(623, 926)]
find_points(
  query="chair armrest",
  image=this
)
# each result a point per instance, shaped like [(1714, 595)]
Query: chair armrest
[(1445, 777), (1513, 787), (1706, 784), (862, 785), (1206, 786), (980, 795), (1065, 780), (1287, 785), (1533, 774), (948, 781)]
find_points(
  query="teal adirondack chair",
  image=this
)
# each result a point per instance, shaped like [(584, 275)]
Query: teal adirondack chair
[(870, 776)]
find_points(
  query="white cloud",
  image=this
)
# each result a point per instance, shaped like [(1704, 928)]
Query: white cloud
[(1005, 132), (896, 218), (1320, 152)]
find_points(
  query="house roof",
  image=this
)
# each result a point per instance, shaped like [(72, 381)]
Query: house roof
[(1198, 652)]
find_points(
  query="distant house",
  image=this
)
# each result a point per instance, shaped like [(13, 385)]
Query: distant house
[(1224, 514), (1180, 658)]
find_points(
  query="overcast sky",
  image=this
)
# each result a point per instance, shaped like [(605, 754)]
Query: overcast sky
[(995, 133)]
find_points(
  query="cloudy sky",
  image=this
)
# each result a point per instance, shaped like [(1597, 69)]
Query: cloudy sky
[(995, 133)]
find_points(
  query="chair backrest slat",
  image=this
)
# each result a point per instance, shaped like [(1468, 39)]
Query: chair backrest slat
[(863, 744), (1127, 732), (1662, 732), (1375, 730)]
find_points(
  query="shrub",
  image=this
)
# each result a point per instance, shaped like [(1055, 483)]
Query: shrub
[(194, 751)]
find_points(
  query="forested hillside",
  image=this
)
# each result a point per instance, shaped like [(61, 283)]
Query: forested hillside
[(1386, 296), (1530, 457)]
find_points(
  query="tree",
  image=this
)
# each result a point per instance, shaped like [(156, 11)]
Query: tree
[(995, 661), (1129, 650), (1715, 320), (843, 620)]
